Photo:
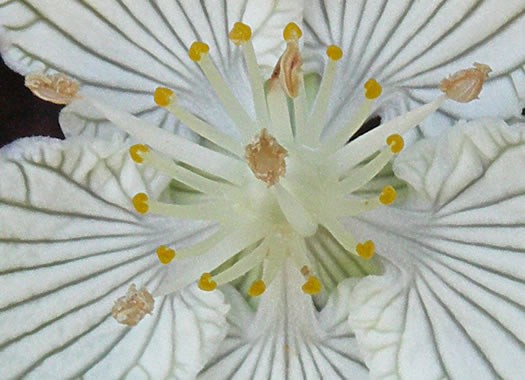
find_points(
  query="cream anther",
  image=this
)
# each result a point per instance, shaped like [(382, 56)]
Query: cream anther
[(289, 70), (57, 88), (465, 85), (131, 308)]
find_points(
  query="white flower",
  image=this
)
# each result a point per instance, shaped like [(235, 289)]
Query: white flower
[(71, 245)]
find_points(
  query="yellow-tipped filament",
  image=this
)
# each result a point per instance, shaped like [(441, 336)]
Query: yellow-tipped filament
[(312, 286), (140, 202), (163, 96), (292, 32), (334, 52), (197, 49), (373, 89), (206, 283), (396, 143), (388, 195), (257, 288), (366, 250), (135, 152), (285, 180), (165, 254), (240, 33)]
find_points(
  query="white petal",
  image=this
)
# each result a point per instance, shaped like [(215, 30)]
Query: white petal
[(69, 247), (452, 301), (121, 51), (287, 337), (410, 46)]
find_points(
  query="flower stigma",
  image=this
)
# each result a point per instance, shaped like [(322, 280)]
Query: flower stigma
[(284, 179)]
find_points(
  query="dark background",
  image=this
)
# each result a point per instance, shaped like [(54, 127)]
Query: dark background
[(21, 113)]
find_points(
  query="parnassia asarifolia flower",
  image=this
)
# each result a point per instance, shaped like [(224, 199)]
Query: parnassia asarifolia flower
[(278, 184)]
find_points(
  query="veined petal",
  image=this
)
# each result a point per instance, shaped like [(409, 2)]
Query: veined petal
[(286, 337), (451, 303), (123, 50), (410, 46), (69, 247)]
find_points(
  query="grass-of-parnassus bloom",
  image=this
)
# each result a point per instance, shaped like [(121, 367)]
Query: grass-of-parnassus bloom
[(275, 221)]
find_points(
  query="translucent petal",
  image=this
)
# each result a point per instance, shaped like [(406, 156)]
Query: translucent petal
[(286, 337), (410, 46), (123, 50), (451, 303), (69, 247)]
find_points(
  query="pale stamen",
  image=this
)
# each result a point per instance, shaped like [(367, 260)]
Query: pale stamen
[(281, 126), (229, 246), (316, 123), (142, 154), (211, 210), (300, 113), (295, 213), (344, 237), (340, 139), (204, 245), (364, 174), (241, 35), (174, 146), (165, 98), (244, 265), (366, 145), (242, 120), (298, 251), (354, 207), (274, 262)]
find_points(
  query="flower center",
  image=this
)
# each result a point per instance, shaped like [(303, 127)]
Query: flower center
[(273, 189), (309, 181), (299, 181)]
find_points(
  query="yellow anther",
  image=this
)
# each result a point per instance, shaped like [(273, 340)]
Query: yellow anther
[(388, 195), (197, 49), (366, 250), (372, 89), (334, 52), (135, 151), (396, 143), (165, 254), (163, 96), (140, 202), (292, 32), (206, 283), (312, 286), (257, 288), (240, 33)]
